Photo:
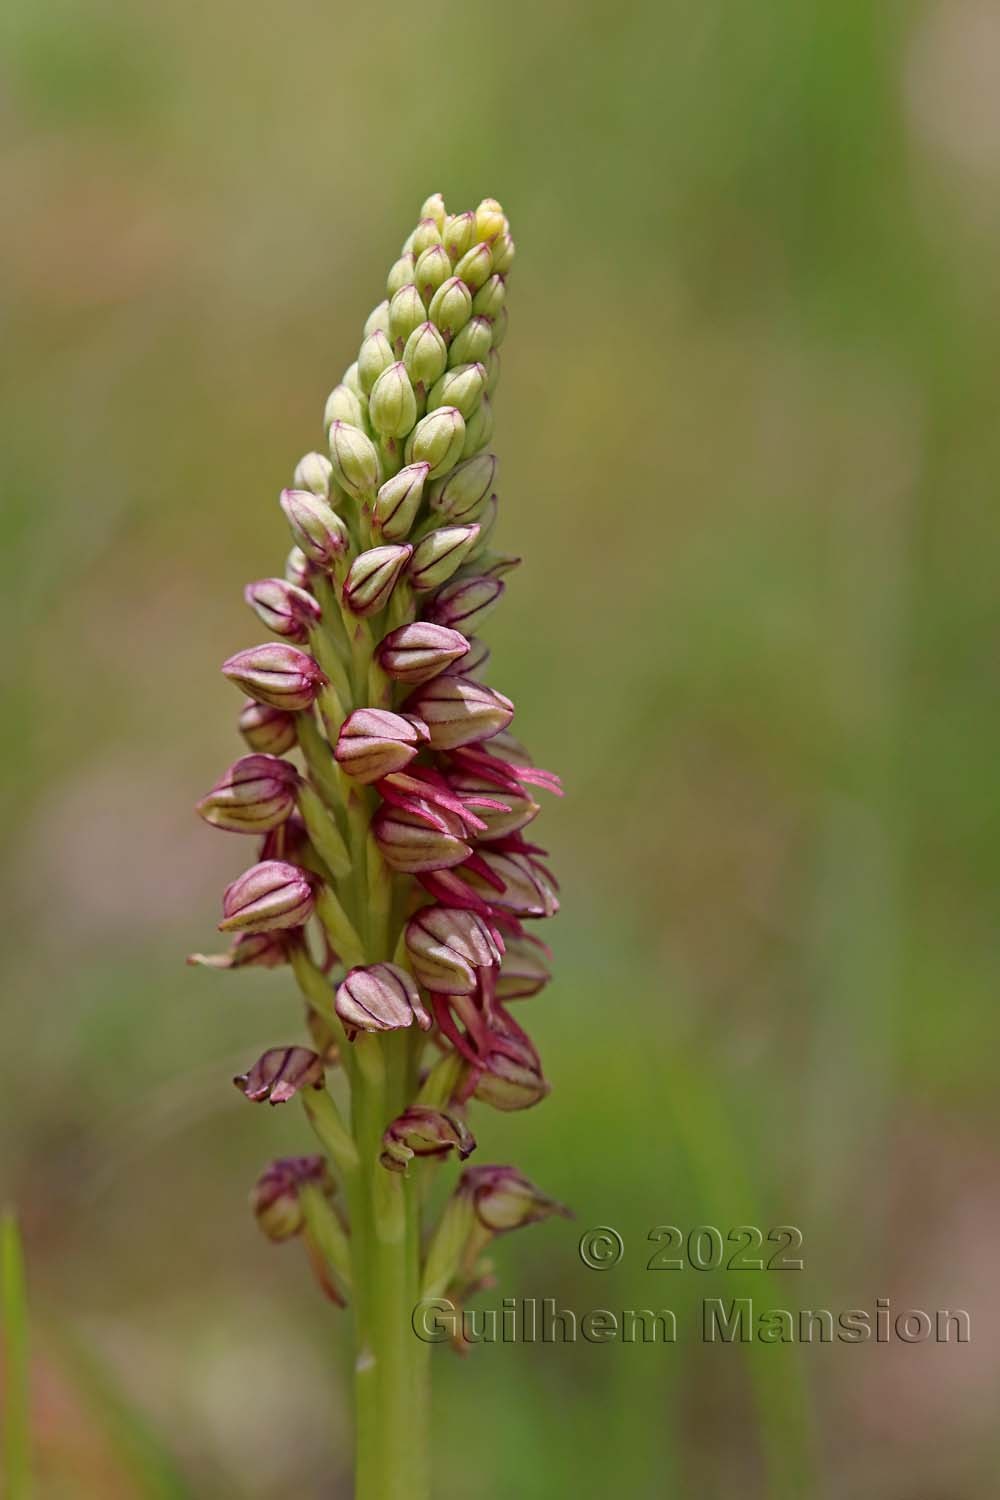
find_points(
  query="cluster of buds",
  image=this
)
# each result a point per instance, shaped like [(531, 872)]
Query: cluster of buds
[(393, 873)]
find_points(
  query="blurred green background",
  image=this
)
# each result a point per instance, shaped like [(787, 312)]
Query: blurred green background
[(749, 451)]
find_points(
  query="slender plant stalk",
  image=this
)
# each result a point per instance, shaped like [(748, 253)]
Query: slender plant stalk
[(393, 878), (17, 1425)]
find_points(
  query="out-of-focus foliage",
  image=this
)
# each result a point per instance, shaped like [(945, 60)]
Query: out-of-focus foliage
[(749, 453)]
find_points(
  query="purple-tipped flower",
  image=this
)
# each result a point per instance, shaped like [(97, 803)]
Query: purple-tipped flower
[(256, 794), (283, 607), (280, 1073), (511, 1076), (462, 496), (374, 742), (516, 882), (398, 501), (267, 896), (420, 1131), (464, 603), (355, 460), (319, 532), (437, 440), (416, 653), (314, 472), (439, 555), (460, 712), (382, 997), (420, 837), (268, 730), (474, 660), (260, 950), (448, 947), (275, 1199), (503, 1198), (279, 675), (373, 577)]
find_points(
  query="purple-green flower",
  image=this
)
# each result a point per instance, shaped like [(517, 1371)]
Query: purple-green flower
[(276, 674), (267, 896)]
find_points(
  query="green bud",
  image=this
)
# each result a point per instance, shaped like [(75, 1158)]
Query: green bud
[(342, 405), (459, 234), (490, 298), (398, 501), (378, 318), (503, 254), (500, 327), (432, 268), (463, 494), (451, 306), (437, 440), (473, 344), (462, 388), (433, 208), (355, 459), (424, 236), (425, 355), (492, 371), (313, 472), (401, 274), (487, 519), (392, 405), (479, 428), (440, 554), (490, 220), (406, 312), (353, 380), (475, 266), (376, 355)]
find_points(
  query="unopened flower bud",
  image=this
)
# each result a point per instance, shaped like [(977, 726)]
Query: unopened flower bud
[(377, 320), (276, 674), (415, 841), (268, 730), (373, 577), (503, 254), (406, 312), (416, 653), (249, 950), (464, 603), (459, 233), (463, 493), (420, 1131), (461, 387), (451, 306), (352, 380), (432, 268), (321, 534), (283, 607), (425, 355), (473, 345), (526, 889), (426, 235), (490, 298), (275, 1199), (437, 440), (500, 327), (433, 208), (256, 794), (487, 519), (398, 501), (269, 895), (479, 428), (447, 947), (382, 997), (475, 266), (313, 472), (279, 1074), (297, 568), (490, 219), (512, 1076), (392, 405), (376, 355), (458, 711), (503, 1198), (374, 742), (523, 972), (494, 564), (401, 273), (436, 558), (355, 460), (342, 405), (519, 809), (492, 372)]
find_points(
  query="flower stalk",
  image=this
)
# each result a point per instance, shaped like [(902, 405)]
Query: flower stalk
[(393, 878)]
